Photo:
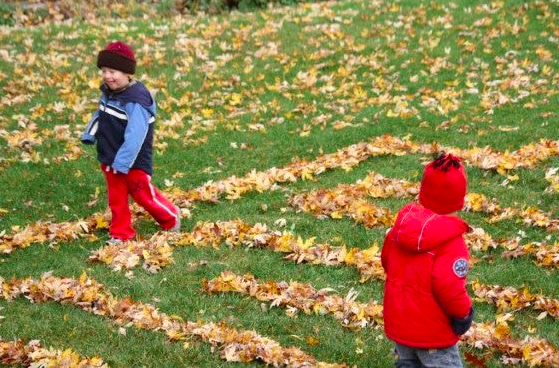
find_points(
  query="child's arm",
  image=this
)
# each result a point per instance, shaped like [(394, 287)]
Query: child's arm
[(88, 136), (390, 237), (134, 136), (388, 240), (449, 279)]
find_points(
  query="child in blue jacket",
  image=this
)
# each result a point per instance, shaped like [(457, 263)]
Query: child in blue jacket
[(123, 128)]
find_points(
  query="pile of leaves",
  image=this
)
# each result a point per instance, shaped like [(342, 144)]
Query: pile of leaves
[(89, 295), (32, 354), (156, 252), (297, 296), (348, 199), (547, 255), (496, 336), (508, 298)]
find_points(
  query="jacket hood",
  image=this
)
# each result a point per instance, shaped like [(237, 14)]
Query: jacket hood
[(135, 92), (419, 229)]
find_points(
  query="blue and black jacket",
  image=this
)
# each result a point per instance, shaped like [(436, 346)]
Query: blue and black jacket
[(123, 128)]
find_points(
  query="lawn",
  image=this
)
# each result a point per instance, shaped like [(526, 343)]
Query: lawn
[(256, 112)]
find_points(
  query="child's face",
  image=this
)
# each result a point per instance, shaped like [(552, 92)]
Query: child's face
[(114, 79)]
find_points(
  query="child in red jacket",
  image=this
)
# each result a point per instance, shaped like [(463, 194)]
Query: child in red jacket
[(426, 305)]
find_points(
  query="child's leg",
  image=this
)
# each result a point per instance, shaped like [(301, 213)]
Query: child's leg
[(407, 358), (147, 196), (121, 226), (440, 358)]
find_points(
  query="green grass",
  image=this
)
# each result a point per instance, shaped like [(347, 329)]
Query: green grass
[(385, 51)]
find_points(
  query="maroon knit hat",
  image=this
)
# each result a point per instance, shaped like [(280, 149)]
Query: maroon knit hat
[(117, 55), (444, 185)]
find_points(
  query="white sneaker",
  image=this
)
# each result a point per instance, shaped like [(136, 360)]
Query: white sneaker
[(177, 227), (114, 241)]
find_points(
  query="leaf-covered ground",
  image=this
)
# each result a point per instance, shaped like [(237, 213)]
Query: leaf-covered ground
[(289, 138)]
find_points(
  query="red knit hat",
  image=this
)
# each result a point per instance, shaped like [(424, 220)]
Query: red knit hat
[(444, 185), (117, 55)]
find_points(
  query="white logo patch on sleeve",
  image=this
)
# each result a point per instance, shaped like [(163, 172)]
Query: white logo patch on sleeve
[(460, 267)]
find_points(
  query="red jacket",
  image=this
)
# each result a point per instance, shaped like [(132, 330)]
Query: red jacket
[(426, 262)]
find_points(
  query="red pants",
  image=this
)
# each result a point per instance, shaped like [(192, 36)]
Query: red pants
[(137, 184)]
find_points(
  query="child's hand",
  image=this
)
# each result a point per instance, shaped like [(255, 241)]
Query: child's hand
[(461, 325), (112, 169), (118, 169)]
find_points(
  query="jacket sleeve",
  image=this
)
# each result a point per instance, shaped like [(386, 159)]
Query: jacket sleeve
[(390, 237), (450, 269), (134, 136), (88, 136), (388, 240)]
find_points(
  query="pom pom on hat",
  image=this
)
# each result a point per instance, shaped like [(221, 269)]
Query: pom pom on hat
[(444, 185), (119, 56)]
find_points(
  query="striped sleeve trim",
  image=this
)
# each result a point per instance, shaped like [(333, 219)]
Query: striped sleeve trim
[(94, 127)]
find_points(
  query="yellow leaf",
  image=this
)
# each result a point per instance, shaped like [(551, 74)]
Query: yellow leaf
[(305, 244), (312, 341), (502, 330), (372, 251), (475, 201), (83, 278), (501, 170), (101, 222), (544, 54), (526, 353), (318, 308), (350, 256), (88, 295), (207, 113), (236, 99), (283, 244), (93, 83), (96, 361), (307, 175), (336, 215)]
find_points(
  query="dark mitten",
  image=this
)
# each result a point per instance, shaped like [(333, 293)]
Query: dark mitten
[(461, 325)]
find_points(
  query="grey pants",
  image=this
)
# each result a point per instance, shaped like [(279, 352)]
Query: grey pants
[(409, 357)]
